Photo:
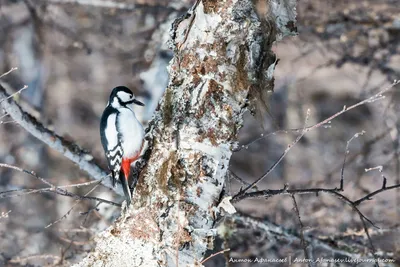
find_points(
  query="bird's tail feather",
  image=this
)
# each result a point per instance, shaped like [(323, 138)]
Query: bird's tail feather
[(125, 187), (114, 176)]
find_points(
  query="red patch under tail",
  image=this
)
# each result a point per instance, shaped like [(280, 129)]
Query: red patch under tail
[(126, 163), (126, 167)]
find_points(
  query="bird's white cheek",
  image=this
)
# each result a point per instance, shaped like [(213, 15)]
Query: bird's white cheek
[(115, 103)]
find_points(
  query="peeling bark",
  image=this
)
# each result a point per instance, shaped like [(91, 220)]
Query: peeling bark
[(222, 59)]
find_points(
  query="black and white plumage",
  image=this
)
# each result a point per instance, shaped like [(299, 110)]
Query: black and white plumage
[(121, 135)]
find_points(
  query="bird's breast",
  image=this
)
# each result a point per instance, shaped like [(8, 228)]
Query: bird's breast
[(132, 133)]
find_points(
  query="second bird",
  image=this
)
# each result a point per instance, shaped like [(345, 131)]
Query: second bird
[(121, 136)]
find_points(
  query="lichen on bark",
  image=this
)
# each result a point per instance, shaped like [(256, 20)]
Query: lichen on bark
[(221, 51)]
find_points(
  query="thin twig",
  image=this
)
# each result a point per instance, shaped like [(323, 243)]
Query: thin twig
[(334, 191), (265, 136), (346, 152), (56, 189), (289, 147), (14, 193), (375, 97), (95, 3), (239, 179), (277, 232), (69, 211), (383, 189), (285, 191), (8, 72), (370, 241), (303, 241), (215, 254), (14, 94), (371, 99)]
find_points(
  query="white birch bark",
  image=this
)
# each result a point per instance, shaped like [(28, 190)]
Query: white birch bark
[(222, 54)]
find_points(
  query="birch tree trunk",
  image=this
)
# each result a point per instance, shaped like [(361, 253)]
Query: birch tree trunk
[(222, 60)]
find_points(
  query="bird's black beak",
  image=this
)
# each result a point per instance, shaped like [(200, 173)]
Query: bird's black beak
[(137, 102)]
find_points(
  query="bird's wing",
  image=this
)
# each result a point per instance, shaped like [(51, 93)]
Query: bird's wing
[(114, 150)]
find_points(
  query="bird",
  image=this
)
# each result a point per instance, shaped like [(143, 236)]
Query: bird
[(121, 135)]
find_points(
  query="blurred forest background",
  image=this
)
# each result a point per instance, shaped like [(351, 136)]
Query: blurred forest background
[(72, 53)]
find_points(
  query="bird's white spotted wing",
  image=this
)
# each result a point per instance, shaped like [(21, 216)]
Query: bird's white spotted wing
[(114, 148)]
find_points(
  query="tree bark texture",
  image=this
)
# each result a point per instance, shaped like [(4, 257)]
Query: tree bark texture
[(222, 60)]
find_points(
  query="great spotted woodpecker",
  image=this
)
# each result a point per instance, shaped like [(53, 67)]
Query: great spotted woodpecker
[(121, 136)]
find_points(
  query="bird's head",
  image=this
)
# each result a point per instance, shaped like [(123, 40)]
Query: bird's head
[(122, 96)]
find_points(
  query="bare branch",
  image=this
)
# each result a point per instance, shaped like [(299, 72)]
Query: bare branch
[(265, 136), (95, 3), (70, 150), (56, 189), (289, 147), (285, 191), (383, 189), (304, 244), (277, 232), (233, 175), (69, 211), (24, 191), (335, 192), (346, 152), (123, 6), (369, 240), (373, 98)]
